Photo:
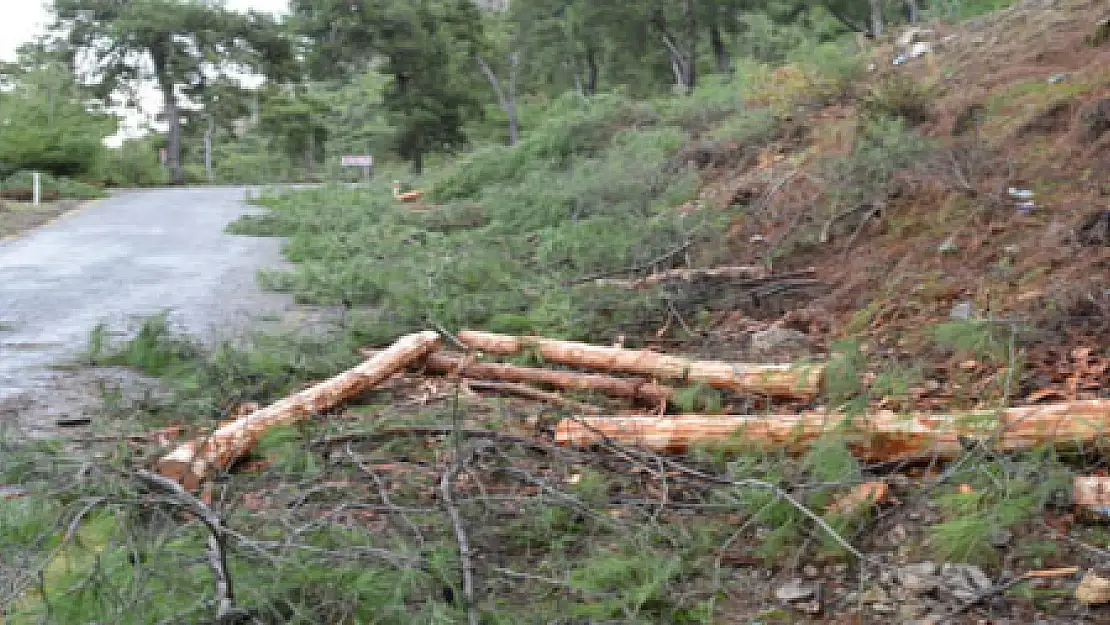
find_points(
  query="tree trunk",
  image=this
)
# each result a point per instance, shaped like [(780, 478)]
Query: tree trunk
[(911, 12), (418, 162), (208, 133), (510, 104), (591, 71), (720, 52), (566, 380), (691, 48), (876, 18), (849, 23), (173, 134), (776, 380), (193, 462), (506, 96), (877, 437)]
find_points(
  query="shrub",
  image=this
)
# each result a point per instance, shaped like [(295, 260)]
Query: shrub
[(900, 96), (20, 186)]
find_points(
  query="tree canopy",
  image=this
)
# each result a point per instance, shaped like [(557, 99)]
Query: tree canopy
[(181, 45)]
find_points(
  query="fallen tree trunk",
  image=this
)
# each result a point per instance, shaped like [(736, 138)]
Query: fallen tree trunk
[(776, 380), (566, 380), (193, 462), (880, 436)]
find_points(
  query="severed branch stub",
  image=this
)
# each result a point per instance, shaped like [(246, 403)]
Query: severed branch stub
[(778, 380), (195, 461), (879, 436)]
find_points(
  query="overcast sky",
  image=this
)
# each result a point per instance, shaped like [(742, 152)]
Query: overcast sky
[(22, 20)]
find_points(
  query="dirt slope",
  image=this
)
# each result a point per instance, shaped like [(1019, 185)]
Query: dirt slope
[(1017, 100)]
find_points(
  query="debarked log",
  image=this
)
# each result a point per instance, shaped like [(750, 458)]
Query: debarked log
[(630, 388), (780, 380), (879, 436), (193, 462)]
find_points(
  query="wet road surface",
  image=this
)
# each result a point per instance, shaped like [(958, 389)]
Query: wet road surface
[(135, 254)]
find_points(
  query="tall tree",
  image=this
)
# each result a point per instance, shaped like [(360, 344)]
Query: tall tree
[(180, 45), (427, 47), (298, 123), (500, 64)]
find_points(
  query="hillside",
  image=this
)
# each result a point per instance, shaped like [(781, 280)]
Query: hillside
[(932, 236)]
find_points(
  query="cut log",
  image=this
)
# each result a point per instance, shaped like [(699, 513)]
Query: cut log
[(880, 436), (777, 380), (193, 462), (637, 389)]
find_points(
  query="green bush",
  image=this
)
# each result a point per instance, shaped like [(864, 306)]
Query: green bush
[(20, 185), (900, 96), (135, 163)]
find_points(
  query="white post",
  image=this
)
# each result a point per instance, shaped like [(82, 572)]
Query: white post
[(37, 193)]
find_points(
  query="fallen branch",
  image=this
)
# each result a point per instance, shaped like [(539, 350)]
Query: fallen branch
[(195, 461), (527, 392), (780, 493), (446, 491), (1004, 586), (217, 541), (881, 436), (687, 275), (636, 389), (778, 380)]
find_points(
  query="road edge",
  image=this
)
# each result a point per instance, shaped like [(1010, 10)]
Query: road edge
[(81, 206)]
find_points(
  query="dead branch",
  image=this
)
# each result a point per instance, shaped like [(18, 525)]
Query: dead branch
[(383, 494), (418, 430), (195, 461), (778, 380), (446, 491), (217, 546), (687, 275), (779, 492), (468, 367), (665, 256), (567, 380), (880, 436), (528, 392)]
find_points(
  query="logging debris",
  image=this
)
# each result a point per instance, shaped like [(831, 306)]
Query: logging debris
[(470, 368), (878, 436), (777, 380), (882, 435), (195, 461)]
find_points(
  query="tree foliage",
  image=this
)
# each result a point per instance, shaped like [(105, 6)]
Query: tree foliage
[(181, 45), (46, 122)]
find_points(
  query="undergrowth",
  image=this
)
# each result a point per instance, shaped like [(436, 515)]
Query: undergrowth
[(514, 234)]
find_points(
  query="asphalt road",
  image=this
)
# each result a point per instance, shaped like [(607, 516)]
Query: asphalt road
[(135, 254)]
